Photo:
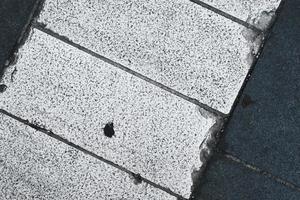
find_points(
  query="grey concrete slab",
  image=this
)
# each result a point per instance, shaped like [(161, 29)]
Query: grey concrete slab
[(225, 179), (247, 10), (157, 134), (265, 127), (35, 166), (177, 43)]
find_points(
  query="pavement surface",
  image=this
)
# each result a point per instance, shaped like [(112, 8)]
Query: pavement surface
[(34, 166), (156, 135), (259, 155), (123, 100)]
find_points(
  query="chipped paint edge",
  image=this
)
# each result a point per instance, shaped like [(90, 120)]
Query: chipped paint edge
[(207, 147), (256, 43)]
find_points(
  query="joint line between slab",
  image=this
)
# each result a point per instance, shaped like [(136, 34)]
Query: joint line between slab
[(64, 39), (261, 171), (90, 153), (228, 16)]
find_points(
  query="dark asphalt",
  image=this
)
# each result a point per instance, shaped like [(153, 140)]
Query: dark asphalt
[(264, 129), (14, 16), (225, 179)]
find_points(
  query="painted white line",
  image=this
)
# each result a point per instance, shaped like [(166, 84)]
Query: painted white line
[(250, 10), (157, 134), (34, 166), (177, 43)]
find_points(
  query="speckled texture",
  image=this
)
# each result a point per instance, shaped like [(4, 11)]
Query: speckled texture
[(35, 166), (177, 43), (245, 9), (157, 134)]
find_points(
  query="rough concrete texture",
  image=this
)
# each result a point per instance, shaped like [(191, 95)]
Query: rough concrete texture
[(177, 43), (157, 134), (247, 10), (34, 166)]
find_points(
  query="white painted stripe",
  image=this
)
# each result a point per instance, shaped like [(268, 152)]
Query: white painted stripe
[(34, 166), (157, 134), (177, 43), (250, 10)]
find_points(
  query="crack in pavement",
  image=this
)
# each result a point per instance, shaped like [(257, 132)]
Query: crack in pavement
[(262, 172), (228, 16)]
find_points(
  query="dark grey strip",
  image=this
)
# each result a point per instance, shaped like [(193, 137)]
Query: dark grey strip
[(64, 39), (79, 148), (262, 172), (25, 32), (22, 36), (228, 16)]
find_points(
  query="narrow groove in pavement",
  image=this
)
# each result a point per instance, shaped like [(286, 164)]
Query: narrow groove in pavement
[(64, 39), (262, 172), (228, 16), (90, 153)]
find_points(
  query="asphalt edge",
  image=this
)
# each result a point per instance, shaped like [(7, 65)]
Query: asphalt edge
[(23, 36), (219, 137)]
